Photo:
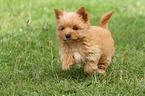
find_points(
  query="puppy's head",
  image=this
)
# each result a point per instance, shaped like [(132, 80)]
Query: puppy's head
[(71, 26)]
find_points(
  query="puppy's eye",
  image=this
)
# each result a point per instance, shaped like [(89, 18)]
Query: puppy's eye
[(62, 29), (75, 28)]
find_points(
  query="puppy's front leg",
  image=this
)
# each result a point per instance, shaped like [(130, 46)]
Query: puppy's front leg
[(90, 67), (91, 64), (67, 61)]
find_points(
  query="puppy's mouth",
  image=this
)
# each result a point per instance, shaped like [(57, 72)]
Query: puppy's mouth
[(70, 40)]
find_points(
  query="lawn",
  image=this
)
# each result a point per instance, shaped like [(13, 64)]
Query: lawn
[(29, 59)]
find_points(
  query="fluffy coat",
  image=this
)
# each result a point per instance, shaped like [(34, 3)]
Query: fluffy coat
[(88, 46)]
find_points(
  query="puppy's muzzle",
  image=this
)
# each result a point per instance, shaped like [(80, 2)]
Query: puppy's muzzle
[(67, 36)]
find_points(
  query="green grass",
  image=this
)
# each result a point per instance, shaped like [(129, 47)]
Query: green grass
[(28, 69)]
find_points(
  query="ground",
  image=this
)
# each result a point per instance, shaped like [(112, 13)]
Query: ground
[(29, 60)]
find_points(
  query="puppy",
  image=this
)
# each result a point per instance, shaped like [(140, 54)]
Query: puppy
[(89, 46)]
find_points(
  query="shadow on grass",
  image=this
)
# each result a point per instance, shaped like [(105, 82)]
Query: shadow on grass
[(73, 73), (76, 73)]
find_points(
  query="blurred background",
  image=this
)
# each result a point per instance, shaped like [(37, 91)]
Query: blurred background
[(29, 60)]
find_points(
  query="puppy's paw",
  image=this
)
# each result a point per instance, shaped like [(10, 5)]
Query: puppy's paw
[(101, 71), (66, 66), (102, 68), (89, 69), (66, 61)]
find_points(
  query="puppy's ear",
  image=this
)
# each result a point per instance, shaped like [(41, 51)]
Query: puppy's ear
[(58, 13), (83, 13)]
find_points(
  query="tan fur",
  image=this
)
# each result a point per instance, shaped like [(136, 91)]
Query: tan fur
[(89, 46)]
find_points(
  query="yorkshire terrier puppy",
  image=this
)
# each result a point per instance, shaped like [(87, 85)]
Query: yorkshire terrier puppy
[(83, 44)]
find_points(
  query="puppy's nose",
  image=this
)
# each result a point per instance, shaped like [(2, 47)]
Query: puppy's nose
[(67, 35)]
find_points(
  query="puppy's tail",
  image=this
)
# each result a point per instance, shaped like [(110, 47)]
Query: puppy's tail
[(105, 19)]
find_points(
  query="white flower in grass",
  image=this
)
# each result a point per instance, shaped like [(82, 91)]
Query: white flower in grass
[(20, 29)]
